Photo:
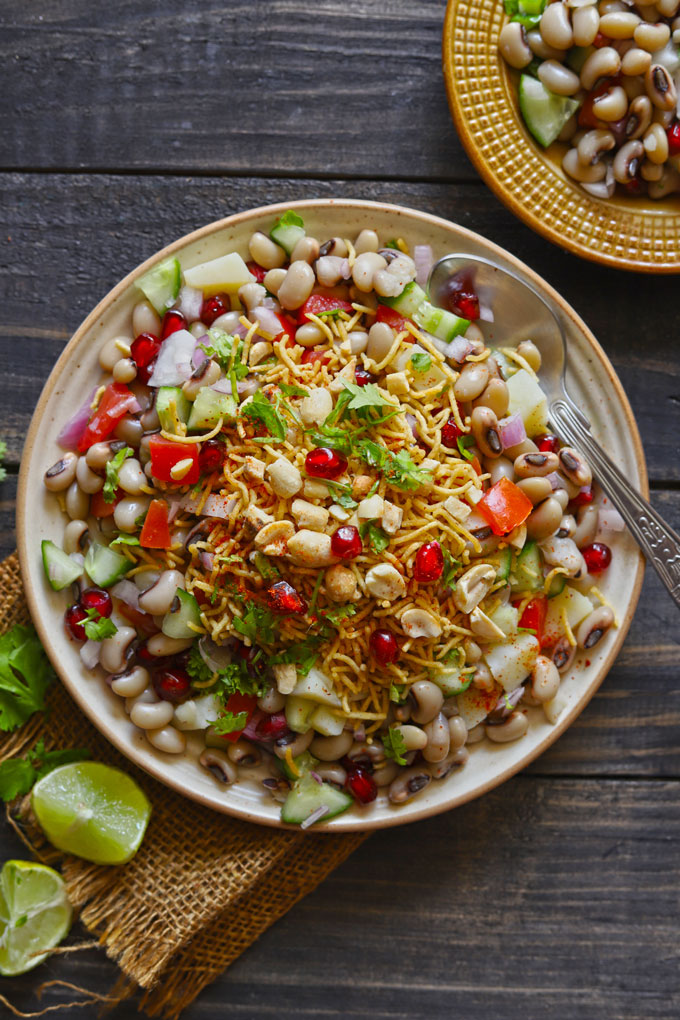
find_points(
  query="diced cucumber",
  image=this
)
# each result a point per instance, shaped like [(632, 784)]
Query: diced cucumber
[(161, 284), (557, 585), (298, 711), (501, 561), (304, 763), (316, 686), (171, 404), (307, 796), (409, 301), (60, 569), (442, 324), (511, 662), (208, 407), (544, 113), (452, 682), (569, 603), (528, 572), (507, 618), (105, 566), (226, 273), (183, 612), (287, 231), (327, 722), (528, 399)]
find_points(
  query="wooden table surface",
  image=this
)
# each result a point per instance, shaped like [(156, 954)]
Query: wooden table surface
[(129, 123)]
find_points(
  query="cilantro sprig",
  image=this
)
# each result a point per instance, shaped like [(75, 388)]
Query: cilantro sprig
[(229, 722), (394, 745), (377, 538), (220, 349), (98, 627), (113, 466), (19, 775), (259, 411), (25, 675)]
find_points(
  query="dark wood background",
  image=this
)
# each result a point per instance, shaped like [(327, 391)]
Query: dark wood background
[(127, 124)]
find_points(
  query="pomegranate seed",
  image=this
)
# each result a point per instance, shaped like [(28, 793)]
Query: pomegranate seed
[(215, 306), (634, 186), (598, 556), (429, 564), (361, 785), (272, 727), (74, 618), (384, 646), (143, 352), (601, 40), (144, 655), (584, 496), (283, 599), (362, 377), (324, 463), (211, 457), (258, 272), (312, 356), (171, 684), (96, 598), (673, 135), (450, 434), (172, 321), (547, 443), (346, 542), (462, 299)]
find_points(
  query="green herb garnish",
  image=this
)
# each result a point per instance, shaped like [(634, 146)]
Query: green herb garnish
[(259, 410), (123, 539), (98, 627), (292, 391), (19, 775), (227, 722), (394, 745), (377, 538), (421, 362), (113, 466), (25, 675), (462, 443)]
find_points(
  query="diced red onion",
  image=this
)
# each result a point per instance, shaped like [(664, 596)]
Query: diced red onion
[(239, 330), (174, 507), (190, 303), (423, 258), (507, 702), (215, 506), (266, 319), (555, 481), (127, 592), (512, 430), (207, 560), (610, 519), (458, 349), (345, 271), (222, 386), (75, 426), (318, 813), (216, 657), (412, 423), (246, 387), (485, 312), (173, 364), (199, 355), (89, 653), (250, 729)]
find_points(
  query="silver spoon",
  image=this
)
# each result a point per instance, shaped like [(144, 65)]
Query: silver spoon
[(525, 314)]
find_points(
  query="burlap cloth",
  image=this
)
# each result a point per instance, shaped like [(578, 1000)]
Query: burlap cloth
[(202, 887)]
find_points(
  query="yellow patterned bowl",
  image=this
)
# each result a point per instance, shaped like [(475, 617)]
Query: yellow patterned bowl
[(628, 233)]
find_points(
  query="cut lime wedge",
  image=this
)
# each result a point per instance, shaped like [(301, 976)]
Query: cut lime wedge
[(92, 810), (35, 915)]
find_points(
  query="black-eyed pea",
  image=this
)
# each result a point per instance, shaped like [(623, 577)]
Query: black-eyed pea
[(458, 732), (572, 165), (605, 62), (482, 678), (593, 628), (408, 784), (567, 528), (539, 464), (217, 762), (77, 502), (495, 395), (88, 481), (560, 80), (128, 511), (331, 748), (296, 743), (152, 716), (273, 280), (585, 23), (545, 679), (473, 652), (414, 737), (111, 352), (131, 683), (272, 700), (426, 701), (115, 650), (574, 466), (131, 477), (129, 431), (484, 425), (244, 754), (159, 596), (544, 520), (167, 739), (471, 382), (76, 537), (587, 525), (513, 45), (124, 371), (306, 250), (661, 88), (514, 727), (455, 759), (367, 241), (309, 335), (384, 775), (562, 497), (438, 739), (161, 645), (536, 489), (62, 474), (563, 654), (526, 446), (476, 734), (266, 252), (555, 26), (498, 468), (540, 48), (365, 267), (619, 24), (380, 341), (652, 36)]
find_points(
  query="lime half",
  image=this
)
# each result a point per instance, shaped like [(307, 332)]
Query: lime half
[(35, 914), (92, 810)]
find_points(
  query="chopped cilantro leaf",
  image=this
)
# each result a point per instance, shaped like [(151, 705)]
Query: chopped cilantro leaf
[(341, 404), (25, 675), (123, 539), (227, 722), (220, 349), (364, 396), (398, 693), (261, 411), (258, 624), (403, 473), (393, 742), (377, 538), (451, 568), (292, 391), (266, 569), (526, 12), (333, 437), (338, 613), (289, 219), (421, 362), (463, 442), (98, 627), (302, 654), (18, 775), (199, 671), (113, 466)]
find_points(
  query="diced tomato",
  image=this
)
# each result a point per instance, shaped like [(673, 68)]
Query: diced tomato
[(142, 622), (312, 355), (238, 703), (504, 506), (318, 303), (288, 326), (165, 454), (116, 400), (156, 530), (258, 272), (586, 116), (392, 318), (533, 617), (100, 508)]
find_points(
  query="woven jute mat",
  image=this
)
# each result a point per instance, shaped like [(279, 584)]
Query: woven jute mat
[(202, 887)]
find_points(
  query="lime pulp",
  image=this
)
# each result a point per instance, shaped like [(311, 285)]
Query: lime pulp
[(35, 915)]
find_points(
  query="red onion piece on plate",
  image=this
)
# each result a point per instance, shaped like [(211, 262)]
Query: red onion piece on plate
[(267, 320), (89, 653), (190, 303), (423, 258), (512, 430), (199, 355), (173, 364), (75, 426), (214, 506), (458, 349), (610, 519), (222, 386), (127, 592)]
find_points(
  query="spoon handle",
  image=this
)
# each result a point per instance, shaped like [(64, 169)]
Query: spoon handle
[(659, 543)]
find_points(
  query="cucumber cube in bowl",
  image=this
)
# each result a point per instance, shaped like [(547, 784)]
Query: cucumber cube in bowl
[(544, 113)]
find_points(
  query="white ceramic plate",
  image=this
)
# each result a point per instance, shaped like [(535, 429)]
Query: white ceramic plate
[(593, 383)]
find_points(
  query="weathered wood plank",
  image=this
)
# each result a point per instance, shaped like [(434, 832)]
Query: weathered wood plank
[(67, 239), (346, 88), (544, 898)]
